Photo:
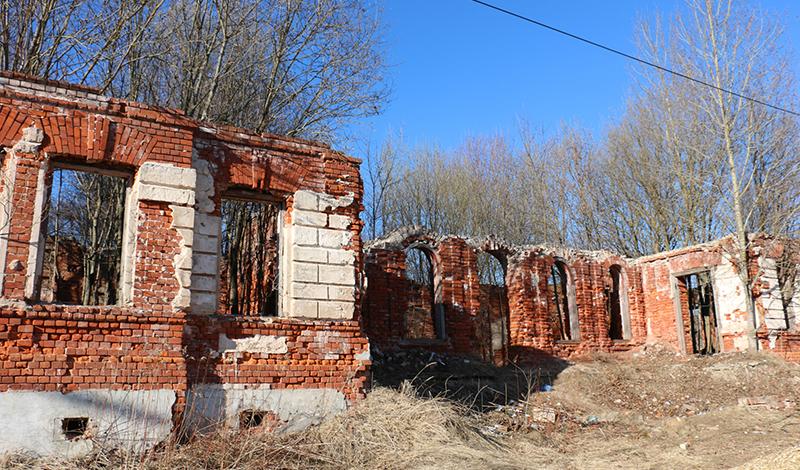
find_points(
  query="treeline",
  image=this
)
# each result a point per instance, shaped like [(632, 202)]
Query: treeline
[(294, 67), (684, 164)]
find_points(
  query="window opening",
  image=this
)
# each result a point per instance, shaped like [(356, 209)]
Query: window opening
[(424, 318), (494, 304), (249, 257), (616, 305), (74, 428), (83, 240), (561, 310)]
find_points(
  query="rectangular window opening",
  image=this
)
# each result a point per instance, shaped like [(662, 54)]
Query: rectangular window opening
[(249, 250), (83, 238), (74, 428)]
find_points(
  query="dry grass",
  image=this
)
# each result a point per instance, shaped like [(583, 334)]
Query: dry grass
[(390, 429)]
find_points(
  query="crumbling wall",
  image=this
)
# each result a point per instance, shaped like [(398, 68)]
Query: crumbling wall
[(468, 319), (667, 318), (164, 352), (653, 297), (390, 295)]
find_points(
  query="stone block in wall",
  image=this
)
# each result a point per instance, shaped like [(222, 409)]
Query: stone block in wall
[(337, 274), (149, 192), (204, 282), (302, 290), (204, 264), (311, 254), (341, 293), (336, 310), (203, 302), (206, 244), (340, 222), (182, 217), (307, 200), (207, 224), (309, 218), (303, 308), (304, 236), (160, 174), (341, 257), (334, 238), (305, 272)]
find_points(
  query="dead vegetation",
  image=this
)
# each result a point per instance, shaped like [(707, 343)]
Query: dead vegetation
[(650, 410)]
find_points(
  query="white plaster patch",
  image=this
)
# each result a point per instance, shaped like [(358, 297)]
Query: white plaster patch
[(32, 138), (731, 303), (265, 344), (212, 405), (132, 419), (363, 356)]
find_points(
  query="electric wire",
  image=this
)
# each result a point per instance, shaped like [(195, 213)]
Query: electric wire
[(632, 57)]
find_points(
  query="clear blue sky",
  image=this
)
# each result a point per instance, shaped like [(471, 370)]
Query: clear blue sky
[(459, 69)]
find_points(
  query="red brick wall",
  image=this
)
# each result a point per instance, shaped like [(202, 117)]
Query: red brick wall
[(151, 344), (49, 348), (321, 354), (530, 330), (785, 344)]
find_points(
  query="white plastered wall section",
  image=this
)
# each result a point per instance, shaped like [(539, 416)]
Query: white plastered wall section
[(775, 316), (132, 419), (731, 303)]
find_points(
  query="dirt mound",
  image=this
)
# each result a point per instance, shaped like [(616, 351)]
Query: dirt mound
[(662, 384)]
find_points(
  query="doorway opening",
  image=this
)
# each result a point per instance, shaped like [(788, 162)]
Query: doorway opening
[(493, 297), (698, 312)]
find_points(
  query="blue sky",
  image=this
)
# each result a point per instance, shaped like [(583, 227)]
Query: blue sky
[(460, 69)]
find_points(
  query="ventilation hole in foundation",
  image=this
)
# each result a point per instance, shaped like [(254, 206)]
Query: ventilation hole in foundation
[(251, 419), (74, 428)]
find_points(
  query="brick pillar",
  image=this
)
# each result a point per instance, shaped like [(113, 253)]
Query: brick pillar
[(22, 200)]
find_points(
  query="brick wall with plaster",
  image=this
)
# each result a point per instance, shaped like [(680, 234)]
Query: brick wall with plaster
[(166, 344)]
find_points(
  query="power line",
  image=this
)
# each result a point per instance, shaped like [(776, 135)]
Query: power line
[(632, 57)]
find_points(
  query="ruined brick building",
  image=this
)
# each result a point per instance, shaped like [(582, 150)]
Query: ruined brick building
[(555, 302), (228, 284), (155, 345)]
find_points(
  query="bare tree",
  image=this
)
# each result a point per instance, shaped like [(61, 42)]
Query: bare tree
[(737, 48), (381, 177), (295, 67)]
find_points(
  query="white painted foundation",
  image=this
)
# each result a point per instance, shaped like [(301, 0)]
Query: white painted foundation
[(133, 420)]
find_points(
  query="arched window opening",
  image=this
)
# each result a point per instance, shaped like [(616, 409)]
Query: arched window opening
[(563, 312), (494, 305), (423, 320), (617, 305)]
